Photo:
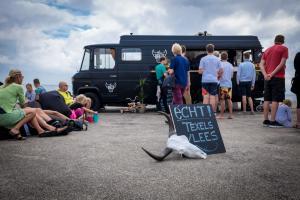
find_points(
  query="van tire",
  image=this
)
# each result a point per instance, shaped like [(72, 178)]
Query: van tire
[(96, 103)]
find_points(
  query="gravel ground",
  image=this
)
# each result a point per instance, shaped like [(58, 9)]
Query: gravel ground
[(107, 162)]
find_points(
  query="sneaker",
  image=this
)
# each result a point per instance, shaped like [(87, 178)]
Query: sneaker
[(266, 122), (275, 124)]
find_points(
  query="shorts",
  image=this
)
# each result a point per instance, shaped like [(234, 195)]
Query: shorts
[(209, 88), (178, 94), (274, 90), (245, 88), (225, 93), (9, 120)]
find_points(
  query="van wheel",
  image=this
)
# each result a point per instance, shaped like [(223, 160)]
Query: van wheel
[(96, 103)]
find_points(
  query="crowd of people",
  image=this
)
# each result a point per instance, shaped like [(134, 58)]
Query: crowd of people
[(174, 82), (30, 108), (43, 110)]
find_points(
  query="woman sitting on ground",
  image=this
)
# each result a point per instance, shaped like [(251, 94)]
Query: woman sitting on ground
[(14, 118), (284, 113)]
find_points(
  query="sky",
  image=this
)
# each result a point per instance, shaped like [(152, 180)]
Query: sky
[(45, 38)]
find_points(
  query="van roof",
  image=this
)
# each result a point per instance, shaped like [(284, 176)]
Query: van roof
[(191, 42)]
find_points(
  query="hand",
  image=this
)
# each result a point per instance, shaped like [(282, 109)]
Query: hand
[(187, 89), (252, 88), (267, 77)]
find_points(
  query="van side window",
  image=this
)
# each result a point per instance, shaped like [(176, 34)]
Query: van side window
[(85, 65), (131, 54), (104, 58)]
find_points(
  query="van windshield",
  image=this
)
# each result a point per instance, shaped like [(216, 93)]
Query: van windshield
[(85, 65)]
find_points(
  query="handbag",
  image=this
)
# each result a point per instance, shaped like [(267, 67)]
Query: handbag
[(295, 85)]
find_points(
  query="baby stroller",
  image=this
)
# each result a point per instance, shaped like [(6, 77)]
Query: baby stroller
[(259, 104)]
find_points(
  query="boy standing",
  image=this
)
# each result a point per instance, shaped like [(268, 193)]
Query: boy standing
[(245, 76), (161, 73), (226, 85), (210, 68), (272, 66)]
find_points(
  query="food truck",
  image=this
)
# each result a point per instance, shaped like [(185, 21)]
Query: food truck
[(111, 73)]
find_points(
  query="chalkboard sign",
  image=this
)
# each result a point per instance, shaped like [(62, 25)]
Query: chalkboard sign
[(199, 124)]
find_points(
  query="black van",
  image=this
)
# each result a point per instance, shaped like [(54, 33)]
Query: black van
[(110, 73)]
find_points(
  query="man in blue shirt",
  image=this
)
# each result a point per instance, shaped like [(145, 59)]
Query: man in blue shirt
[(210, 68), (180, 67), (246, 75)]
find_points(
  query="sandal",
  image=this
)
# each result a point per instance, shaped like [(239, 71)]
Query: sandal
[(48, 134), (17, 136)]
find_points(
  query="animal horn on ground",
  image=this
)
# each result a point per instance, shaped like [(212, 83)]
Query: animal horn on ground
[(161, 157), (166, 151)]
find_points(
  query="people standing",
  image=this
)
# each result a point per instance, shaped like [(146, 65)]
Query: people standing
[(161, 73), (226, 85), (296, 87), (38, 88), (179, 67), (246, 76), (187, 92), (210, 68), (272, 66)]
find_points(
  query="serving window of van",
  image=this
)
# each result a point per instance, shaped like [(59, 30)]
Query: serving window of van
[(131, 54), (104, 58)]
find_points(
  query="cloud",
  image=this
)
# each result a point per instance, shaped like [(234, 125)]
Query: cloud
[(45, 38)]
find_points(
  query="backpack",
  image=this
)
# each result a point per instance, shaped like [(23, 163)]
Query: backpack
[(77, 125)]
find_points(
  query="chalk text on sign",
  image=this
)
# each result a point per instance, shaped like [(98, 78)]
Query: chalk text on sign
[(187, 112)]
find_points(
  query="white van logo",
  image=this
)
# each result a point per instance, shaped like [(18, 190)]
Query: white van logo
[(110, 86), (158, 54)]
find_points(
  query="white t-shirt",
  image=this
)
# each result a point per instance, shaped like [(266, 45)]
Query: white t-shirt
[(225, 80), (210, 65)]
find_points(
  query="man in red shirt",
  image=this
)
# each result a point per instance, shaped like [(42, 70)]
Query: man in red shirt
[(272, 66)]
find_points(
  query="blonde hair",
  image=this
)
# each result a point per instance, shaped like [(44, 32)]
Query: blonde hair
[(287, 102), (216, 53), (176, 49), (13, 74), (81, 99)]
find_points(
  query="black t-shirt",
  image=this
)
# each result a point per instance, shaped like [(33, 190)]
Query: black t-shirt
[(76, 105)]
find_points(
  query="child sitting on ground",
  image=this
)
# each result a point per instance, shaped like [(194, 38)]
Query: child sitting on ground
[(81, 106), (284, 113)]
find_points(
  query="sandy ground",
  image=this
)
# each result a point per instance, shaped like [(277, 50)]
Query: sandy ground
[(107, 162)]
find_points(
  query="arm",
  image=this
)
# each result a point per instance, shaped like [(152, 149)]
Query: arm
[(89, 110), (289, 114), (262, 69), (21, 96), (253, 77), (238, 74), (278, 68), (201, 69)]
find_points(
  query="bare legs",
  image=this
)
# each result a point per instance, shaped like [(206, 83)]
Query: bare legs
[(274, 108), (223, 108), (29, 115), (244, 102), (210, 99)]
